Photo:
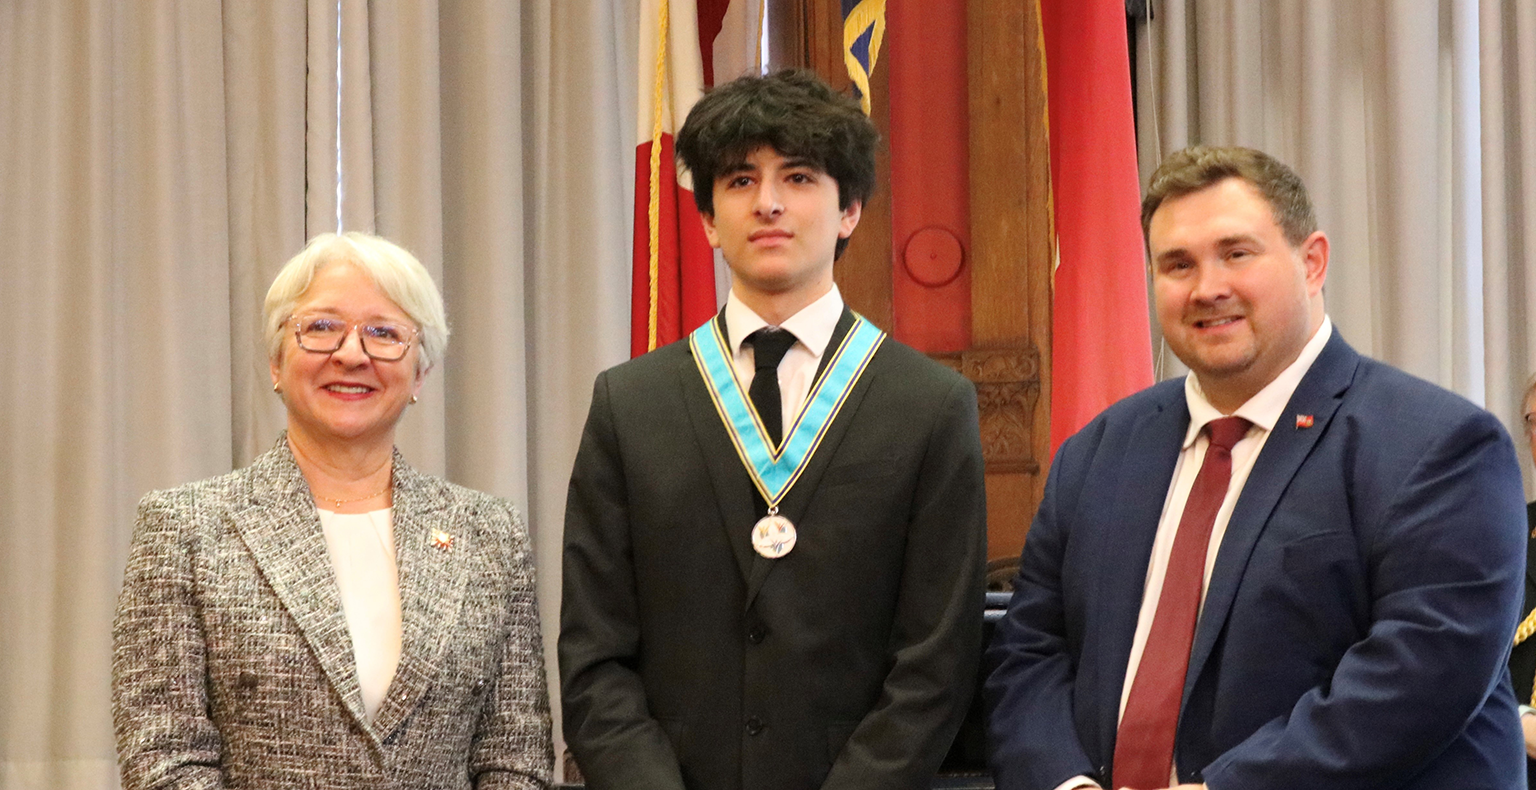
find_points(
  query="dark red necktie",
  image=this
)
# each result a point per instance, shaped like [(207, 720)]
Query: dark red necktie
[(1144, 745)]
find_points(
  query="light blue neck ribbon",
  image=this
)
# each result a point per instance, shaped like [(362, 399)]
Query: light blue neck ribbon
[(775, 471)]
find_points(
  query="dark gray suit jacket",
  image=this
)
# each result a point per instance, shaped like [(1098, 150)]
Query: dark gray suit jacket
[(232, 666), (687, 661)]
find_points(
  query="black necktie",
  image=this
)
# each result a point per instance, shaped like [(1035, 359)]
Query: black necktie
[(769, 345)]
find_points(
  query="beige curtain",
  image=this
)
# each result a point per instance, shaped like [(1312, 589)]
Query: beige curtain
[(1412, 125), (114, 283), (1508, 38), (158, 163)]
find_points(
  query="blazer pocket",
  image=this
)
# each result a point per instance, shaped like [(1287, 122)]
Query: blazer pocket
[(862, 470), (1320, 597), (1318, 552)]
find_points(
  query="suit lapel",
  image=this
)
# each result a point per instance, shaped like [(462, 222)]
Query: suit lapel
[(1319, 394), (727, 476), (431, 549), (282, 531), (1127, 542), (844, 325)]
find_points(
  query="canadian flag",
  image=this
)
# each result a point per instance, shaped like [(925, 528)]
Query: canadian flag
[(684, 45)]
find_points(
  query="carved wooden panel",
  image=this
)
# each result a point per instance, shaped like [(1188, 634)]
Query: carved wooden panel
[(1007, 389)]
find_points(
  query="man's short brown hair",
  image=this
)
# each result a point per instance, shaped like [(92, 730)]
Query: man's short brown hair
[(1198, 167)]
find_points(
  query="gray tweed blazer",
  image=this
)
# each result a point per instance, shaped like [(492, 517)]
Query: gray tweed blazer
[(232, 666)]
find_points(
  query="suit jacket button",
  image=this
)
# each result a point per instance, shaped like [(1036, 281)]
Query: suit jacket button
[(757, 634), (246, 681), (754, 726)]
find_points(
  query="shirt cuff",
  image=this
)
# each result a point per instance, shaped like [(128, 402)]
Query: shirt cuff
[(1526, 710), (1076, 782)]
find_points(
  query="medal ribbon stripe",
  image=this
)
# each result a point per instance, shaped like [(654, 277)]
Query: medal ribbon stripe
[(720, 378), (828, 397), (775, 472)]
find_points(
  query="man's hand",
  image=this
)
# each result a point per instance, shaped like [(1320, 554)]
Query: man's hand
[(1528, 726)]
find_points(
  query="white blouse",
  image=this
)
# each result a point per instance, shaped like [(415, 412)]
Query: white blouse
[(362, 550)]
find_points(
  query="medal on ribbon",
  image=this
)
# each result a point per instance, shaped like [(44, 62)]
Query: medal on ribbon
[(773, 536), (774, 471)]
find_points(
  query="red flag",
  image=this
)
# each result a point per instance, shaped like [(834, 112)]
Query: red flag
[(1100, 336), (674, 266)]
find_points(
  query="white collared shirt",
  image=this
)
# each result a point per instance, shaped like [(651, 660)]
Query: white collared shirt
[(812, 327)]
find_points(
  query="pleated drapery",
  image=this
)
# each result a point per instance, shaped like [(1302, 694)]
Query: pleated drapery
[(1508, 115)]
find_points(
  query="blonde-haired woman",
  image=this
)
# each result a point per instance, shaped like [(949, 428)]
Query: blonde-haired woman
[(328, 616)]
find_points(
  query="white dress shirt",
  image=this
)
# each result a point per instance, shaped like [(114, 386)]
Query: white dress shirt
[(362, 551), (1264, 410), (812, 328)]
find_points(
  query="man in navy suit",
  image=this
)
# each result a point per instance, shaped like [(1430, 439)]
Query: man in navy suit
[(1294, 568)]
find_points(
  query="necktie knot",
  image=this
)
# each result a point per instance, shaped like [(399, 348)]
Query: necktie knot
[(1227, 432), (769, 345)]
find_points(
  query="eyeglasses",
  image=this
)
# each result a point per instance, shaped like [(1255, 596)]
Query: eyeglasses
[(384, 342)]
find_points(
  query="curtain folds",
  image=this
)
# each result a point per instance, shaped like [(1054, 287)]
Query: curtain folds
[(268, 127), (1412, 124), (1508, 70), (114, 207), (159, 161)]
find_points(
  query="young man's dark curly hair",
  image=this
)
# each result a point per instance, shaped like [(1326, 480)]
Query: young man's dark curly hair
[(791, 111)]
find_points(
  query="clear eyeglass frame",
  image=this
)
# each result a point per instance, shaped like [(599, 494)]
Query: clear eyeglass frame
[(376, 337)]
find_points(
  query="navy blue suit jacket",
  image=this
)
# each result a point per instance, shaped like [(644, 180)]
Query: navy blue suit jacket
[(1358, 616)]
